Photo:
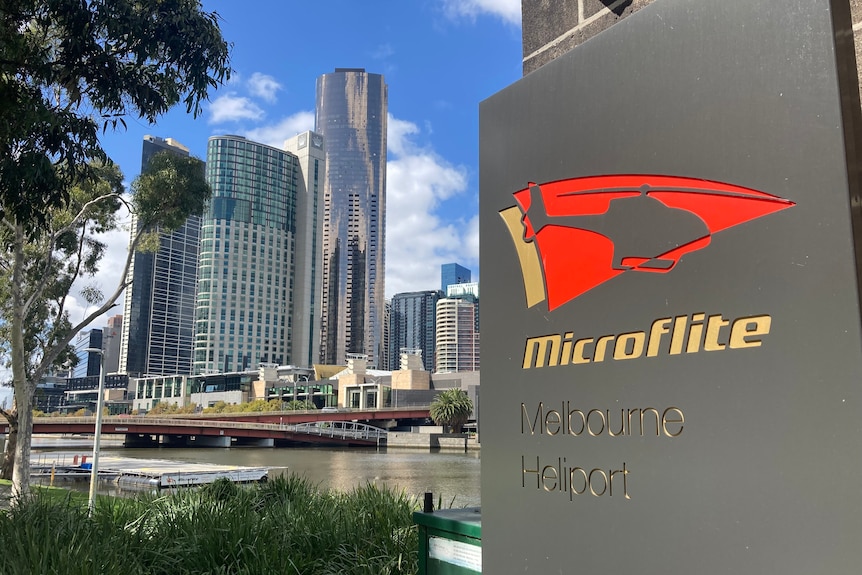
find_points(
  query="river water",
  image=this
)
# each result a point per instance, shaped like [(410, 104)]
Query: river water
[(453, 477)]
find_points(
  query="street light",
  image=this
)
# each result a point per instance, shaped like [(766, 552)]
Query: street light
[(97, 437)]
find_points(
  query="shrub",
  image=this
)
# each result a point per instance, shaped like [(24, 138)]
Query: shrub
[(287, 525)]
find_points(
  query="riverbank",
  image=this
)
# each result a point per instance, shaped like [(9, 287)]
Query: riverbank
[(432, 441)]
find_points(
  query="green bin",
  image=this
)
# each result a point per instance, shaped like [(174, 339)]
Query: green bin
[(450, 541)]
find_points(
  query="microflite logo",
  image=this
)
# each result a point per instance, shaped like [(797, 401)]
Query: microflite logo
[(573, 235)]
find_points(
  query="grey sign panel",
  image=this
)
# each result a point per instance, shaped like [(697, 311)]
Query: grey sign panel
[(671, 349)]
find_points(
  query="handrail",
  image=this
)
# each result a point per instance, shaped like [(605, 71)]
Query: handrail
[(344, 429)]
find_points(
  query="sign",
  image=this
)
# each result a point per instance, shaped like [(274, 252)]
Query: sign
[(455, 553), (671, 340)]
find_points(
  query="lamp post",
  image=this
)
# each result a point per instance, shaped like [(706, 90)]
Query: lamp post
[(97, 436)]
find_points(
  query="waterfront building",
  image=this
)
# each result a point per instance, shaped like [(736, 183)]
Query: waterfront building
[(170, 389), (250, 236), (413, 324), (50, 393), (361, 387), (284, 383), (159, 306), (295, 384), (457, 345), (309, 150), (453, 274), (351, 108), (83, 393)]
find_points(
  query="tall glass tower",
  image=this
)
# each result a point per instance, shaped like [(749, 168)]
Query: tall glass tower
[(351, 115), (247, 256), (159, 307), (451, 274), (413, 325)]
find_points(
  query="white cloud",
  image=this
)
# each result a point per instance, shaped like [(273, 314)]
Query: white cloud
[(231, 108), (396, 135), (418, 239), (276, 134), (107, 278), (508, 10), (383, 51), (263, 86)]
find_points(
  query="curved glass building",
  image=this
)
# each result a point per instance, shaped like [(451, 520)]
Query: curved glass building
[(245, 285), (351, 115)]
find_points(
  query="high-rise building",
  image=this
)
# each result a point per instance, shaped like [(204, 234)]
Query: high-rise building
[(111, 339), (159, 306), (351, 112), (250, 237), (387, 361), (457, 345), (451, 274), (413, 324), (309, 149), (467, 292)]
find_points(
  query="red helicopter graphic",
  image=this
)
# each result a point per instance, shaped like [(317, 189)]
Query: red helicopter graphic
[(581, 232)]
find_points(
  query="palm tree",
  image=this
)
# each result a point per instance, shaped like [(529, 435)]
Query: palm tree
[(451, 408)]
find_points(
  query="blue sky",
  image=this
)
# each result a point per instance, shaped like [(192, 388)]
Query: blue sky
[(440, 58)]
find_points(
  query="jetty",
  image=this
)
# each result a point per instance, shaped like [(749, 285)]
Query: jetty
[(136, 473)]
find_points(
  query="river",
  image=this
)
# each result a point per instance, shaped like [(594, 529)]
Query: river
[(452, 477)]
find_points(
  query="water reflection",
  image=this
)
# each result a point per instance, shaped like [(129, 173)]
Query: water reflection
[(450, 476)]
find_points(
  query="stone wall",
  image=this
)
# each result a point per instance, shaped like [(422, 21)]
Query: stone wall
[(551, 28)]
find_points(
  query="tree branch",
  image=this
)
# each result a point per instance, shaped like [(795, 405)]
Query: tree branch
[(52, 242), (57, 346)]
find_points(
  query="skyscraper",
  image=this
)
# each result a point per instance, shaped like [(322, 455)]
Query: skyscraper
[(351, 115), (451, 274), (412, 325), (468, 291), (457, 346), (112, 336), (309, 149), (159, 307), (252, 243)]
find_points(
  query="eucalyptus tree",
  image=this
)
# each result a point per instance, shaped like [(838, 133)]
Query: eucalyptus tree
[(37, 272), (70, 70)]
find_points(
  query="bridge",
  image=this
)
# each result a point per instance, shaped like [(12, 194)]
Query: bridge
[(203, 432), (382, 416)]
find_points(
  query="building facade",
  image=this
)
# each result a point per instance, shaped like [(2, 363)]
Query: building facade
[(150, 391), (413, 324), (111, 339), (457, 345), (451, 274), (247, 257), (351, 108), (387, 361), (310, 152), (159, 307), (89, 362)]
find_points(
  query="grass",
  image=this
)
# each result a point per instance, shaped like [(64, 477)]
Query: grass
[(287, 525)]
